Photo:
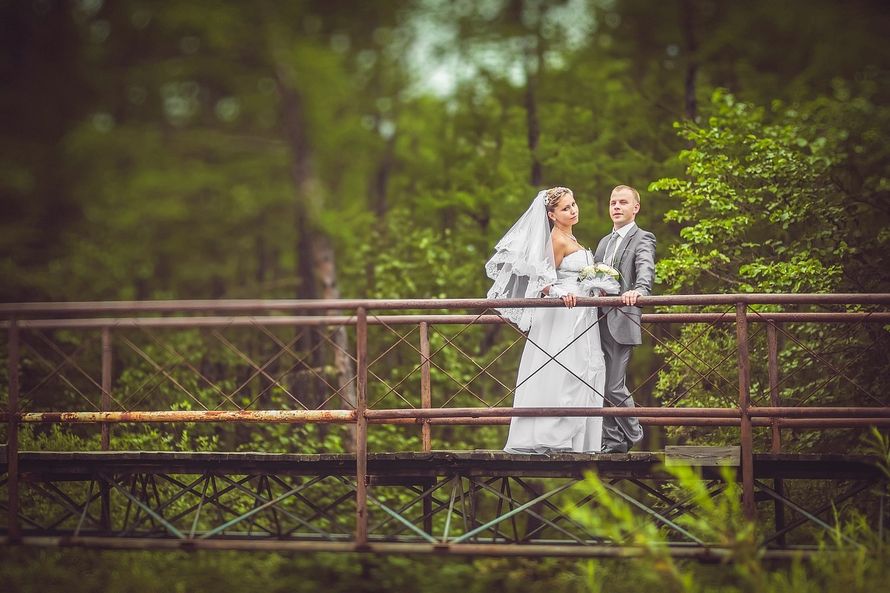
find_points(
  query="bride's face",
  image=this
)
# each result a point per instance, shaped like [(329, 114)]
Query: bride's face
[(566, 213)]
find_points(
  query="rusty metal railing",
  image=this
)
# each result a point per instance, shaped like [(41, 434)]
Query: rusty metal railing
[(363, 392)]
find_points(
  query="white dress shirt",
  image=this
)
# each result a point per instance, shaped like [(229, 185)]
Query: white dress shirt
[(622, 233)]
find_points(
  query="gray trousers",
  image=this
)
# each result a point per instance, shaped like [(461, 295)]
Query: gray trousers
[(617, 429)]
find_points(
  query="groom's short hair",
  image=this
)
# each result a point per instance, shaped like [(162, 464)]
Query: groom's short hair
[(635, 193)]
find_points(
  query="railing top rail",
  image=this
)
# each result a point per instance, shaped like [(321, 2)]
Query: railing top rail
[(249, 320), (288, 305)]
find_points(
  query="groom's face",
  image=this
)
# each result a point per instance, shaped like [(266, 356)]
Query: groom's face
[(623, 208)]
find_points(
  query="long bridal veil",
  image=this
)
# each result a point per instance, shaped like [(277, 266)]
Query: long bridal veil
[(523, 262)]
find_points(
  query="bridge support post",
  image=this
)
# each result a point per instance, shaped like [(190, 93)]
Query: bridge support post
[(776, 441), (105, 404), (747, 433), (14, 529), (426, 402), (361, 429), (425, 381)]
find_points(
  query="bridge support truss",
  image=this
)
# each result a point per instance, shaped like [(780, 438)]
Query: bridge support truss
[(440, 502)]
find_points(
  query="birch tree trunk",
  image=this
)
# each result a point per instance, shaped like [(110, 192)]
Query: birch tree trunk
[(326, 275), (316, 267)]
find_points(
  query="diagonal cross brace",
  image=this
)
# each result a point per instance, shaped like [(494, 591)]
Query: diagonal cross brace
[(513, 512)]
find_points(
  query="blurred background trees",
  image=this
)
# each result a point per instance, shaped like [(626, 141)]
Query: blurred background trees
[(179, 149)]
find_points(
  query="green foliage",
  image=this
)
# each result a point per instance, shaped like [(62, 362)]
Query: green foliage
[(716, 520), (759, 209), (850, 556), (879, 444), (768, 205)]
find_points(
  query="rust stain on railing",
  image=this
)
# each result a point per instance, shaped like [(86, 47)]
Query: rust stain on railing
[(247, 416)]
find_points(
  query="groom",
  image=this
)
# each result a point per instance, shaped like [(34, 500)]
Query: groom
[(630, 250)]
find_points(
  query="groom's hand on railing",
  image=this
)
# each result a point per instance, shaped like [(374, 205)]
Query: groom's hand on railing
[(630, 297)]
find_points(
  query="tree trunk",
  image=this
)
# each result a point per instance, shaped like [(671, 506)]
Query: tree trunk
[(534, 65), (534, 132), (315, 259), (304, 183), (262, 259), (326, 270), (688, 22), (379, 204)]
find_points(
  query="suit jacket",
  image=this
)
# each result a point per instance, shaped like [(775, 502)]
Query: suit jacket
[(635, 261)]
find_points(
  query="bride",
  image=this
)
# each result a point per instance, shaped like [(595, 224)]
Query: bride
[(562, 363)]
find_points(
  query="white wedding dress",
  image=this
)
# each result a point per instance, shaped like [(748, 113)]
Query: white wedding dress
[(542, 382)]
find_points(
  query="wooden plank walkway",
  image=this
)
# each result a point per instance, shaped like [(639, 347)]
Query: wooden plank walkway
[(62, 465)]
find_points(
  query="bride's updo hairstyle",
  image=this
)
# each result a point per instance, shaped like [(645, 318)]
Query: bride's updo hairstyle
[(552, 197)]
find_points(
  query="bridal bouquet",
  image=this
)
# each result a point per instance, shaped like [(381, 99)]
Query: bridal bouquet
[(599, 277)]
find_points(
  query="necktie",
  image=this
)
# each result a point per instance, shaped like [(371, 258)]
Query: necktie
[(611, 247)]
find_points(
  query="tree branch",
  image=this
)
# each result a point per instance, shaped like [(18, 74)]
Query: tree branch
[(721, 277)]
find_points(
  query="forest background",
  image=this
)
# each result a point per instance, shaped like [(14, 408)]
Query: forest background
[(327, 149)]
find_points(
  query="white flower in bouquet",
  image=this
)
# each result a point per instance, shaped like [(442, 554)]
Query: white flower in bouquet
[(599, 279), (599, 270)]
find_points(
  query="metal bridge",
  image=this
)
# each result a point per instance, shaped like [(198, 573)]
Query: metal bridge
[(87, 382)]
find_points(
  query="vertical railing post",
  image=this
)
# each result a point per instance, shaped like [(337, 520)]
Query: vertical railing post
[(426, 402), (425, 389), (361, 429), (105, 402), (776, 440), (747, 433), (105, 405), (12, 435), (773, 353)]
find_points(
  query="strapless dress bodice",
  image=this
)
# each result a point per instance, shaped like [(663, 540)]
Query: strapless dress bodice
[(573, 263)]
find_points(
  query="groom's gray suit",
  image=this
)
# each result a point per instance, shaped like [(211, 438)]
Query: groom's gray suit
[(634, 258)]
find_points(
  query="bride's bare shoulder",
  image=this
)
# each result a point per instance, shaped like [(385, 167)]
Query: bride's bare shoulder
[(562, 246)]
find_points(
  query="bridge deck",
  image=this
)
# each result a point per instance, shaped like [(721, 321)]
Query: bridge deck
[(437, 502), (383, 467)]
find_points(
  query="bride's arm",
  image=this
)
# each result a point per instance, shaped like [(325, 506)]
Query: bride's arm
[(560, 248)]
